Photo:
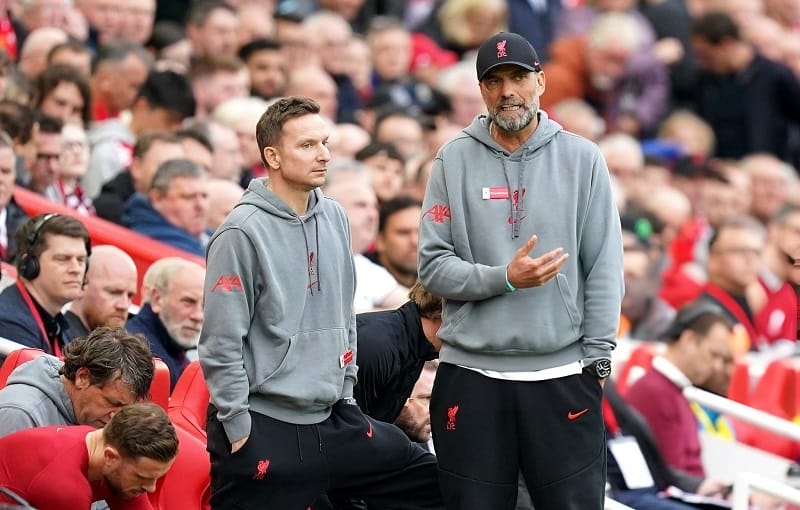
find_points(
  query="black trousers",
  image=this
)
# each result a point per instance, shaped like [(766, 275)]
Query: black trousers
[(287, 467), (487, 430)]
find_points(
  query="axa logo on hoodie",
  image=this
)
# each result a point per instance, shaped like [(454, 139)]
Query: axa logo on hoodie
[(228, 283), (437, 213)]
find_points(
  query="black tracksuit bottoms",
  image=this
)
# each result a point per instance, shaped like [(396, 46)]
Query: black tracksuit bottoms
[(284, 466), (486, 431)]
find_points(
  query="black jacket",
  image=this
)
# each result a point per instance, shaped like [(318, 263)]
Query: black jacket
[(392, 349), (110, 202)]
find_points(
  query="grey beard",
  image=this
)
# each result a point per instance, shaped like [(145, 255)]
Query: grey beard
[(517, 124)]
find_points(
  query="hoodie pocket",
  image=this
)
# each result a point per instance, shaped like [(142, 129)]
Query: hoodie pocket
[(310, 373), (538, 320)]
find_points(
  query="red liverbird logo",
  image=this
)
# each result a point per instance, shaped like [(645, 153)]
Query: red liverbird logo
[(501, 49), (261, 469), (451, 417)]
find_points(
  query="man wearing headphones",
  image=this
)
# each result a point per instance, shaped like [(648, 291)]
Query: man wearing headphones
[(53, 253)]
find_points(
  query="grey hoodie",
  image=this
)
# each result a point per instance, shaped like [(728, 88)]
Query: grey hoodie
[(482, 204), (35, 397), (279, 318)]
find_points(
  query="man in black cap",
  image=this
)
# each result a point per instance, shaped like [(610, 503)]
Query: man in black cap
[(531, 311)]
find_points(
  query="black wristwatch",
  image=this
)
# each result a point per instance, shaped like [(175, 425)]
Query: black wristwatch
[(601, 368)]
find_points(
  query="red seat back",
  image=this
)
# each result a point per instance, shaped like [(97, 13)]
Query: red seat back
[(15, 359), (187, 484), (189, 403), (639, 362), (159, 387), (739, 388), (774, 394)]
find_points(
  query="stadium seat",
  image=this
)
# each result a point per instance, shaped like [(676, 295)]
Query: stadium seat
[(159, 388), (15, 359), (774, 394), (189, 402), (637, 364), (739, 388), (187, 484)]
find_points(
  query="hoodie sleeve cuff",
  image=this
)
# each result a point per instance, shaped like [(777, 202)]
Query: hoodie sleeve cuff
[(237, 427)]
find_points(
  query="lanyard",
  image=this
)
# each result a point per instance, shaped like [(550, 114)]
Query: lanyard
[(610, 418), (54, 347)]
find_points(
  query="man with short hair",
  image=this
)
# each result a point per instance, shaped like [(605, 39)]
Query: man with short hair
[(531, 312), (211, 26), (175, 208), (698, 349), (51, 264), (397, 244), (287, 324), (266, 63), (393, 346), (151, 150), (117, 463), (163, 102), (43, 171), (118, 72), (99, 375), (215, 80), (172, 317), (108, 291)]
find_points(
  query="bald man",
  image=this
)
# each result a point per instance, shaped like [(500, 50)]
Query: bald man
[(222, 196), (33, 54), (109, 288)]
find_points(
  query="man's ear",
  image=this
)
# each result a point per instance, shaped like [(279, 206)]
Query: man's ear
[(273, 157), (82, 379), (155, 300), (111, 456)]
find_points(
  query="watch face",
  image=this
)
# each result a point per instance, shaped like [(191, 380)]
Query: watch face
[(602, 368)]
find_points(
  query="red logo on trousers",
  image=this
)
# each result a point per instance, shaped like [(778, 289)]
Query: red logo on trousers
[(261, 469), (451, 418)]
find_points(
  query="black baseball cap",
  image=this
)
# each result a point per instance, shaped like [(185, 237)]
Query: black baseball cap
[(506, 48)]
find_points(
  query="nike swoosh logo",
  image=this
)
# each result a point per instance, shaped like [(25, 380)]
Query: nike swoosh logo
[(369, 432), (575, 416)]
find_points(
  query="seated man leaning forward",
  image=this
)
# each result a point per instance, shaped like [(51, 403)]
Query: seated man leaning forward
[(100, 374), (68, 468)]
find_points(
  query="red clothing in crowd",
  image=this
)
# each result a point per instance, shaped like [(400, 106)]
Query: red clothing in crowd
[(661, 402), (777, 320), (48, 467)]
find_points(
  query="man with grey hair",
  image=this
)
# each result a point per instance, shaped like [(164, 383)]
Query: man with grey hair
[(172, 317), (100, 374), (175, 208)]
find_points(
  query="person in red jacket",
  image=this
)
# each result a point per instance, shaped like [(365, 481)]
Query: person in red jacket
[(68, 468)]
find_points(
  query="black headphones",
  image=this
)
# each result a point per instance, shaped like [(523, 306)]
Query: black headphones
[(29, 267)]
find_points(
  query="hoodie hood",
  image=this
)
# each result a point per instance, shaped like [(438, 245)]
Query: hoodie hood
[(46, 397), (259, 195), (513, 164)]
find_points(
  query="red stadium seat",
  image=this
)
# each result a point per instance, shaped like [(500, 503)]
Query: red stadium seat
[(639, 362), (15, 359), (774, 394), (187, 484), (739, 388), (159, 388), (189, 402)]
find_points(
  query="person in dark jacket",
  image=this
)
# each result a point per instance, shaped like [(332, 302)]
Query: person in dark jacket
[(175, 209), (172, 315), (393, 346), (11, 215), (767, 93), (53, 252)]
